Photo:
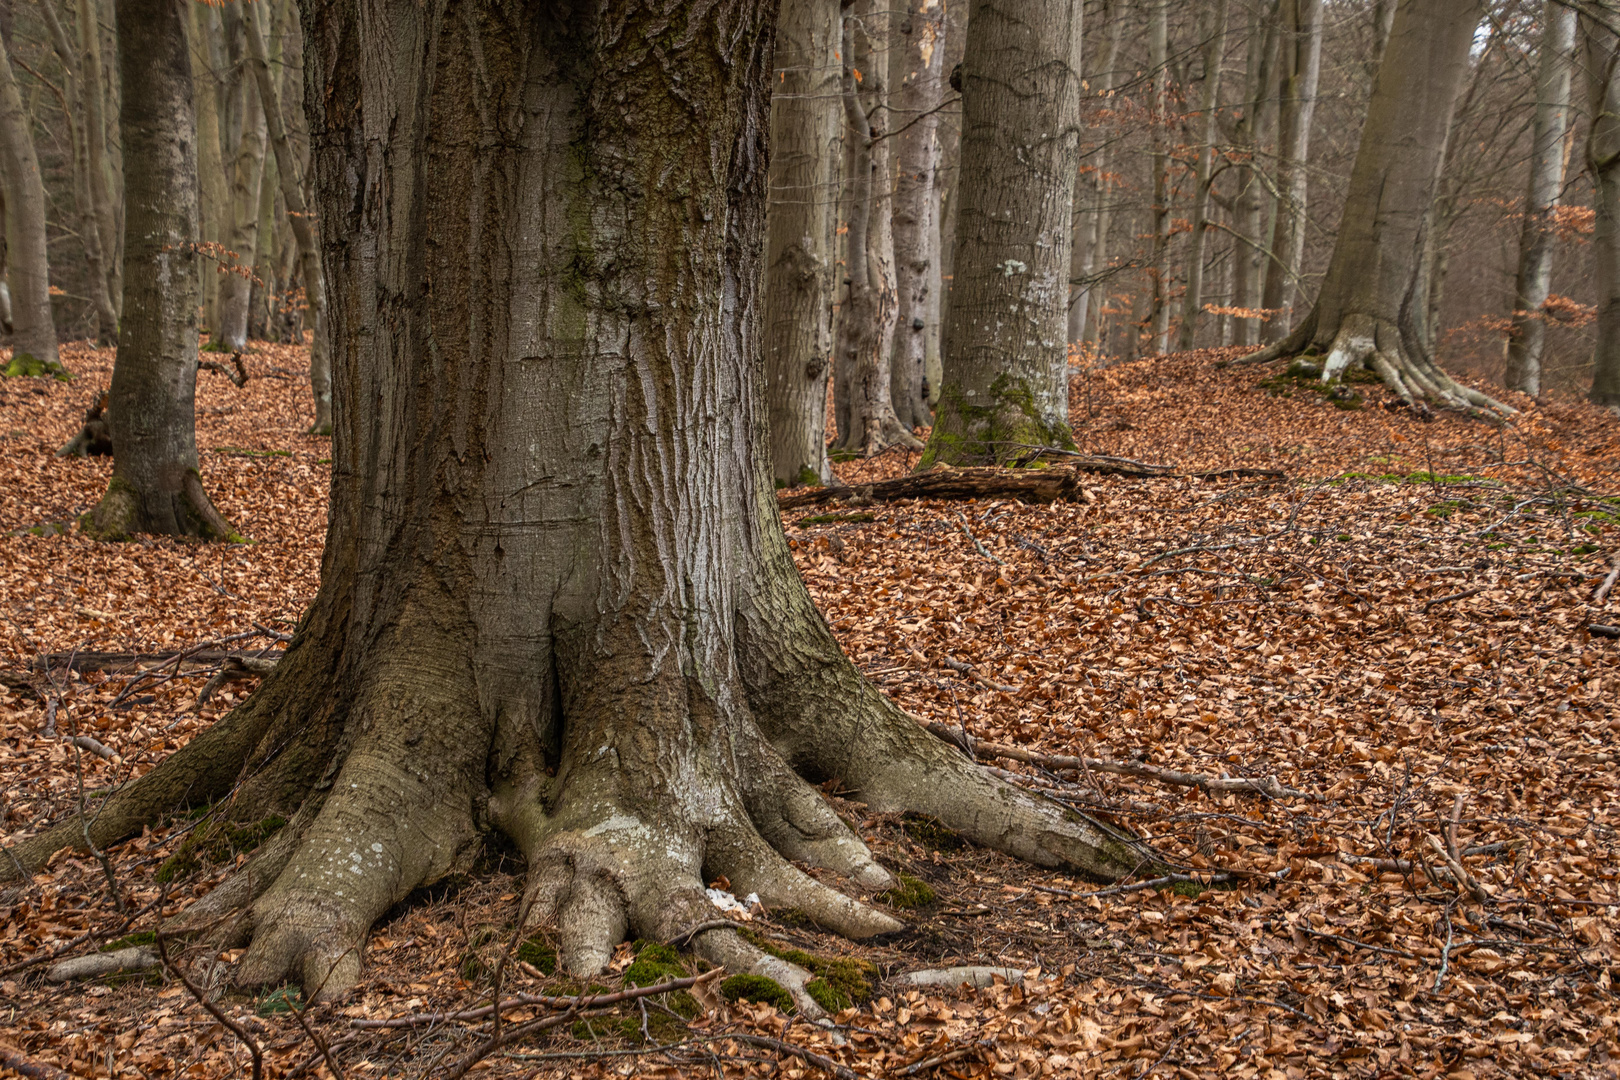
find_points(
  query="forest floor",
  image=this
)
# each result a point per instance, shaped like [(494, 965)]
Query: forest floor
[(1397, 631)]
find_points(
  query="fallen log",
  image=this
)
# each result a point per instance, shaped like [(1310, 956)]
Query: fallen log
[(1268, 786), (243, 663), (98, 964), (1052, 484)]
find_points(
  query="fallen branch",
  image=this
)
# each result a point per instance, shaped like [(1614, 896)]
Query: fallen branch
[(1600, 630), (1608, 583), (1137, 886), (1269, 786), (975, 542), (809, 1057), (1458, 872), (13, 1059), (96, 965), (213, 1010), (483, 1012), (973, 673), (1475, 591), (124, 663)]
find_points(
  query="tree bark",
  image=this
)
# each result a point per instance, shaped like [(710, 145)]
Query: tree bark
[(1006, 389), (34, 330), (1373, 301), (247, 173), (806, 119), (155, 486), (1602, 53), (1299, 73), (917, 86), (303, 224), (1528, 334), (867, 423), (556, 596), (1090, 256), (109, 217), (1253, 136), (1213, 34), (1158, 319)]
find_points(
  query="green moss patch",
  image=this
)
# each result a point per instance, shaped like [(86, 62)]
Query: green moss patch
[(131, 941), (654, 964), (540, 953), (284, 1000), (836, 519), (216, 842), (931, 834), (911, 893), (28, 366), (757, 988)]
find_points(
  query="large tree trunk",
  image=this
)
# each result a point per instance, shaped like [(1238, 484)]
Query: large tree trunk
[(556, 596), (806, 118), (1006, 392), (1602, 50), (29, 260), (155, 486), (916, 86), (292, 194), (867, 423), (1374, 300), (1299, 72), (247, 173), (1213, 34), (1528, 334)]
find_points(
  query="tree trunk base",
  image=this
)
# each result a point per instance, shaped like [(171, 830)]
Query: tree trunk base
[(124, 512)]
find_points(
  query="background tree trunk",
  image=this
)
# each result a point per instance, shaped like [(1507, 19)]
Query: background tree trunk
[(1528, 334), (806, 119), (1212, 32), (1006, 390), (247, 172), (303, 224), (556, 595), (1254, 133), (29, 260), (1159, 116), (867, 422), (155, 486), (105, 194), (1096, 191), (1299, 72), (1373, 299), (1602, 54), (916, 89)]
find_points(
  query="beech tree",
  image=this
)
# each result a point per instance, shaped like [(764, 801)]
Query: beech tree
[(1602, 55), (1373, 303), (556, 597), (28, 261), (155, 485), (806, 118), (1006, 391)]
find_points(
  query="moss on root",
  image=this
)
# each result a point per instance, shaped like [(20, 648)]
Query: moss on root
[(540, 953), (28, 366), (759, 989), (216, 842), (910, 894), (843, 980), (654, 964), (931, 834)]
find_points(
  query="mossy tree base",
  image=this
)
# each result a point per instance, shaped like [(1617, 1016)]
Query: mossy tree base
[(1005, 428), (125, 512)]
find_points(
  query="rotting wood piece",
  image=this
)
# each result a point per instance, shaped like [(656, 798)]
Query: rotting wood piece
[(242, 664)]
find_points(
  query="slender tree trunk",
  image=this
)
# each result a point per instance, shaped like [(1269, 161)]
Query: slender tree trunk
[(917, 85), (1159, 113), (303, 225), (1301, 53), (213, 201), (1085, 306), (34, 330), (89, 228), (92, 88), (1006, 392), (1602, 54), (155, 486), (866, 324), (1528, 334), (1214, 35), (247, 171), (806, 118), (556, 596), (1255, 132), (1370, 309)]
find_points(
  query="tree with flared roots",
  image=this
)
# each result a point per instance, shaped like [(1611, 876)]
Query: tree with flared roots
[(1374, 299), (151, 410), (557, 602)]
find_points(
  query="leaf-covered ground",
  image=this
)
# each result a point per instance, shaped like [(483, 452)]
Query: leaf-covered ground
[(1398, 631)]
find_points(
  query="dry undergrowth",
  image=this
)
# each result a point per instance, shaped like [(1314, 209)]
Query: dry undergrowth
[(1400, 628)]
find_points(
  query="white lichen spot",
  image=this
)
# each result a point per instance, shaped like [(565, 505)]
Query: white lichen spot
[(1013, 266)]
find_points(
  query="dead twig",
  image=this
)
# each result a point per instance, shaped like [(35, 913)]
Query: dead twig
[(1608, 583), (1475, 591), (973, 673), (213, 1010), (574, 1004), (809, 1057), (14, 1059), (963, 522)]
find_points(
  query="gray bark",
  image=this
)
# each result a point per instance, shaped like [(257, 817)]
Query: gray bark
[(303, 224), (806, 121), (29, 270), (917, 85), (1528, 334), (1255, 130), (1373, 300), (1090, 255), (1602, 54), (213, 205), (1006, 386), (1213, 32), (863, 383), (155, 486), (1158, 319), (104, 180), (246, 165), (556, 596), (1298, 74)]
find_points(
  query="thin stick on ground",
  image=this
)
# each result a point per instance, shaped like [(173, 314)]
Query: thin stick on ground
[(1602, 592), (161, 939)]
